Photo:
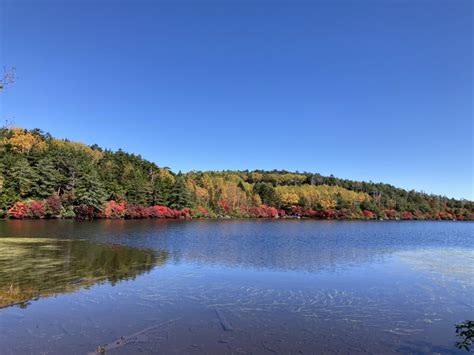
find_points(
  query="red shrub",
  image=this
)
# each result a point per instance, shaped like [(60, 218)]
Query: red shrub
[(272, 212), (406, 215), (444, 216), (153, 212), (282, 213), (391, 214), (53, 206), (114, 209), (84, 212), (330, 214), (132, 211), (263, 212), (297, 211), (137, 211), (225, 206), (368, 214), (203, 212), (243, 209), (428, 215), (19, 210), (255, 212), (161, 212), (344, 214), (36, 209), (184, 213)]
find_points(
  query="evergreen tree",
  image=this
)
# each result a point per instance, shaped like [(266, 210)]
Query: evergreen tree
[(179, 197), (47, 177), (161, 193), (90, 190), (24, 178), (267, 193)]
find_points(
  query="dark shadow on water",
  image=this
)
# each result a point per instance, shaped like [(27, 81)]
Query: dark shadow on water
[(31, 268)]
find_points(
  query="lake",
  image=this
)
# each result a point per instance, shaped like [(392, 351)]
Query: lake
[(234, 286)]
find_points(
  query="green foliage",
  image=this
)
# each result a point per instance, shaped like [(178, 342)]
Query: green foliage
[(90, 190), (267, 193), (67, 213), (179, 197), (35, 166), (23, 177), (465, 334)]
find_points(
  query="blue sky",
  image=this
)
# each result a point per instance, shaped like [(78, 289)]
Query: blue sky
[(366, 90)]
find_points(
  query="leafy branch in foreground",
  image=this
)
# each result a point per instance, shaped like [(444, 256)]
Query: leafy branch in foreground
[(465, 334)]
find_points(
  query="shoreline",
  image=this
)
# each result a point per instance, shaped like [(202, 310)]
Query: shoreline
[(229, 218)]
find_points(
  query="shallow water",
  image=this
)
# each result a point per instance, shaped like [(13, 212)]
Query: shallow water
[(250, 286)]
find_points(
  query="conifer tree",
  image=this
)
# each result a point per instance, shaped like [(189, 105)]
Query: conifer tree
[(24, 178), (47, 177), (179, 197), (90, 190)]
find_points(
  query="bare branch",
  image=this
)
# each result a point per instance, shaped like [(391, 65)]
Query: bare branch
[(8, 78)]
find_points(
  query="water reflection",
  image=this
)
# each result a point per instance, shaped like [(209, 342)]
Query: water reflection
[(310, 246), (31, 268), (236, 286)]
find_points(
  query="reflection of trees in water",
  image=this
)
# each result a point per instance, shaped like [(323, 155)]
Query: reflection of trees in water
[(280, 245), (38, 267)]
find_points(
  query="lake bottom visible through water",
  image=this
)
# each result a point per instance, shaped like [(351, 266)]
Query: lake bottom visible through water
[(262, 287)]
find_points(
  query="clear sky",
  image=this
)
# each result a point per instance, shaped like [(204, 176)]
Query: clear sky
[(367, 90)]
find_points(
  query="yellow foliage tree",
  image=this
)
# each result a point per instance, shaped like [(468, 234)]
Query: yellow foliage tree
[(288, 198), (22, 141), (62, 144), (321, 196)]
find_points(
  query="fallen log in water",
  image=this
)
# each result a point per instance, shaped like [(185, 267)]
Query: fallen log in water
[(130, 339), (224, 322)]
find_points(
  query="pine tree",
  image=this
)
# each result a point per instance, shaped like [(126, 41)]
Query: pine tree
[(90, 190), (179, 197), (24, 178), (47, 177)]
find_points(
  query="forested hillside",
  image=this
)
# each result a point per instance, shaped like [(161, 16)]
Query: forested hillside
[(44, 177)]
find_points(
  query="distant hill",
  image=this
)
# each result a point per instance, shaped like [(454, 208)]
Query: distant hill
[(44, 177)]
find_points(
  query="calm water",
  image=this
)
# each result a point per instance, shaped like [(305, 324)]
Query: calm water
[(262, 287)]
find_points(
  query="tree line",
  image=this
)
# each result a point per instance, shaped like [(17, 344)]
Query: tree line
[(45, 177)]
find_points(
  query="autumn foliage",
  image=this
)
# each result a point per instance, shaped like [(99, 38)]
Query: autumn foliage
[(53, 206), (84, 212), (36, 209), (368, 214), (44, 177), (30, 209), (114, 210), (18, 211), (263, 212)]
